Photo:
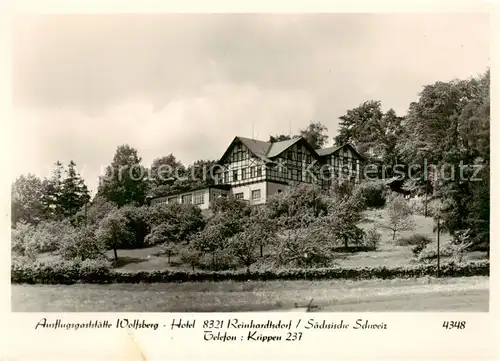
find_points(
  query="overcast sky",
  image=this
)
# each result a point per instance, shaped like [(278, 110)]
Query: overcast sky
[(187, 84)]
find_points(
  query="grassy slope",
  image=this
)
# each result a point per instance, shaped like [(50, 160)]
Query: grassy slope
[(426, 294)]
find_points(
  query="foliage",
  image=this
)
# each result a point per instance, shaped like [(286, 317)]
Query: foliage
[(82, 243), (137, 225), (449, 127), (164, 172), (124, 181), (399, 213), (373, 193), (30, 240), (61, 272), (315, 135), (306, 245), (113, 231), (372, 238), (94, 212), (279, 138), (374, 133), (219, 260), (69, 272), (289, 205), (191, 256), (177, 222), (27, 193), (413, 240), (74, 193)]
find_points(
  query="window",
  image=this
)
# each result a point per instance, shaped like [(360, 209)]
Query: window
[(252, 172), (294, 174), (226, 177), (172, 200), (243, 173), (308, 159), (256, 194), (354, 164), (299, 157), (290, 155), (235, 175), (259, 172), (187, 199), (299, 174), (238, 195), (199, 198)]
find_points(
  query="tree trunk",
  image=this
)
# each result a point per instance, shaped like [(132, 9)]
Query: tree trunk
[(168, 257), (393, 235), (346, 242), (261, 250), (115, 253)]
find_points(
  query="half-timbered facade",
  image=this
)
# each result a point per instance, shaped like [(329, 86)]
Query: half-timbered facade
[(254, 170)]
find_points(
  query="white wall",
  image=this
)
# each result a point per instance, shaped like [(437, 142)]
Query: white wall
[(247, 189)]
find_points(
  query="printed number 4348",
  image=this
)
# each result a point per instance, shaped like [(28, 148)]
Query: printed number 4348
[(454, 324)]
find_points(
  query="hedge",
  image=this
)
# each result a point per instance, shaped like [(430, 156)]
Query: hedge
[(74, 272)]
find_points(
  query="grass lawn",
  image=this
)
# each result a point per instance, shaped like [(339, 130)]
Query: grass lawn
[(423, 294)]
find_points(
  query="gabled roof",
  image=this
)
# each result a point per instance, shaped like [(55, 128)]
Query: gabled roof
[(332, 150), (279, 147), (257, 147), (267, 150)]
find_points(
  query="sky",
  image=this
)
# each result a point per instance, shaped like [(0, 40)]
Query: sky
[(188, 84)]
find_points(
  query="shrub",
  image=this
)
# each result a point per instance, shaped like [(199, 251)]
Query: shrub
[(219, 260), (417, 206), (83, 244), (413, 240), (60, 272), (191, 256), (373, 193), (178, 222), (68, 272), (371, 238), (30, 240)]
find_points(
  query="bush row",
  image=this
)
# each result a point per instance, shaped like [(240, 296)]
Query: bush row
[(95, 272)]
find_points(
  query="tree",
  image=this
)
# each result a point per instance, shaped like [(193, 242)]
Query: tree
[(53, 192), (399, 213), (315, 135), (74, 193), (178, 222), (113, 231), (164, 172), (279, 138), (92, 213), (124, 181), (375, 134), (191, 256), (257, 231), (448, 127), (137, 224), (27, 205), (82, 243), (306, 244)]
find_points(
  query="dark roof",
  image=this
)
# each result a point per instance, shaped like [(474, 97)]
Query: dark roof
[(226, 187), (268, 150), (257, 147), (331, 150)]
